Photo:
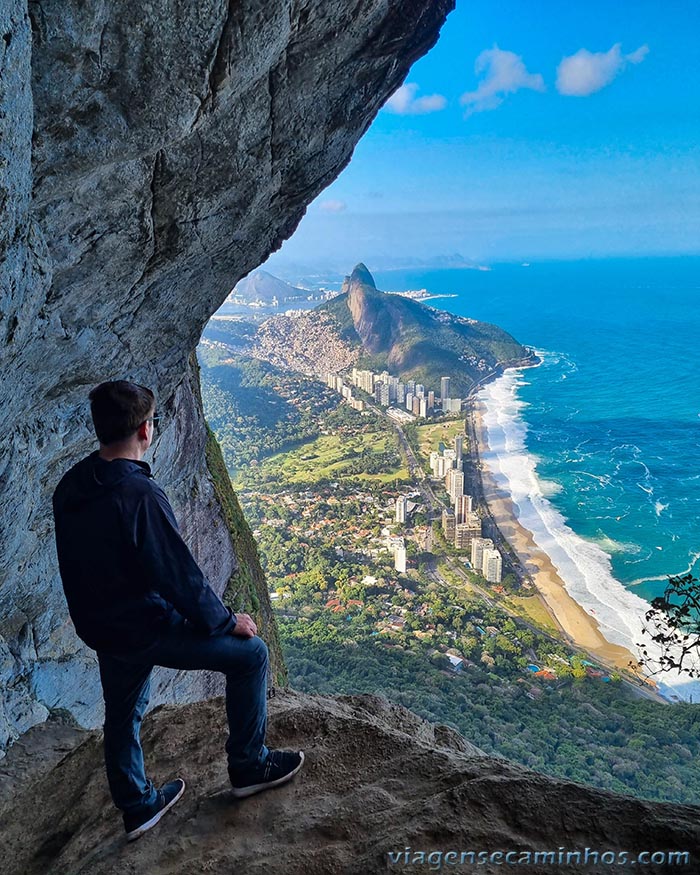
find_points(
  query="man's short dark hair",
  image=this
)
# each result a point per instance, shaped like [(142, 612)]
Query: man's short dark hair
[(118, 408)]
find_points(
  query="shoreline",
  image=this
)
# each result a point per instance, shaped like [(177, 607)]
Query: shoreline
[(577, 627)]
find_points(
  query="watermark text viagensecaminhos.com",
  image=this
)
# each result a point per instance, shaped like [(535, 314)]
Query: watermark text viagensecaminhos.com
[(436, 860)]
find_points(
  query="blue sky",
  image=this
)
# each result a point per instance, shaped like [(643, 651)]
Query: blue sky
[(577, 137)]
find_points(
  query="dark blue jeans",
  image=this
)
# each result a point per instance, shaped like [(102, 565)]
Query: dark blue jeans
[(126, 681)]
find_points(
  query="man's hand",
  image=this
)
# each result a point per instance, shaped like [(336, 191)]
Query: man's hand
[(245, 627)]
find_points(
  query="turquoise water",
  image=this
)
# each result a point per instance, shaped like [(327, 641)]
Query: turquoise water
[(600, 445)]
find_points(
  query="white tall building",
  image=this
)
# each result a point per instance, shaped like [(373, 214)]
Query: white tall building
[(400, 560), (401, 503), (423, 408), (478, 547), (456, 484), (492, 565), (363, 380)]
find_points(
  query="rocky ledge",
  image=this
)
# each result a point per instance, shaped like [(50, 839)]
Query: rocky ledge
[(377, 780)]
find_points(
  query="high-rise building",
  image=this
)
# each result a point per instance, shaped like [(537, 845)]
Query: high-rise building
[(381, 393), (443, 466), (444, 388), (400, 560), (431, 400), (464, 532), (363, 380), (416, 405), (448, 524), (409, 401), (400, 393), (459, 446), (492, 565), (393, 385), (477, 547), (455, 484), (411, 387), (401, 503), (420, 390), (423, 407), (463, 507)]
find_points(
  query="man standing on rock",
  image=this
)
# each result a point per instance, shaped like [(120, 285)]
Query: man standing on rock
[(137, 597)]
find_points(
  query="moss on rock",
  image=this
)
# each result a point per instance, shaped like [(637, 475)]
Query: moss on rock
[(246, 590)]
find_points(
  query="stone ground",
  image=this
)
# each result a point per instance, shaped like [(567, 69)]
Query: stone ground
[(376, 779)]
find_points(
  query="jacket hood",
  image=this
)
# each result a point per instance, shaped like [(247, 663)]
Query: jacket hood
[(93, 477)]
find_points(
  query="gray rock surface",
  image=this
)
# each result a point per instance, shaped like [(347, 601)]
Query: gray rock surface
[(163, 150)]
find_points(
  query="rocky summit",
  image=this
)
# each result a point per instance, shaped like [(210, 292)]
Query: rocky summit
[(377, 781)]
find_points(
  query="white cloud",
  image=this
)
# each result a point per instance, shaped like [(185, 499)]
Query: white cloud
[(501, 73), (404, 102), (586, 72), (332, 206)]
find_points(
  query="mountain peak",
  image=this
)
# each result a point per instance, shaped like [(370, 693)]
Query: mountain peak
[(361, 274)]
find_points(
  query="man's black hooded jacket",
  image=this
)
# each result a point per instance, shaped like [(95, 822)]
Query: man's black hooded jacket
[(123, 563)]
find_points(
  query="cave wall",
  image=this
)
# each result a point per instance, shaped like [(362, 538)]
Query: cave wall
[(151, 155)]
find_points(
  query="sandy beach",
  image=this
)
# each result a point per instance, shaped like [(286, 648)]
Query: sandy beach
[(576, 624)]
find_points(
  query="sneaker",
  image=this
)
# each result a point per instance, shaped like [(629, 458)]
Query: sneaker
[(279, 767), (137, 825)]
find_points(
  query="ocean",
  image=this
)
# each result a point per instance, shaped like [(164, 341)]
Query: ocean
[(600, 445)]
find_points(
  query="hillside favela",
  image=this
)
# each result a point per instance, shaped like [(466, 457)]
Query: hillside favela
[(350, 458)]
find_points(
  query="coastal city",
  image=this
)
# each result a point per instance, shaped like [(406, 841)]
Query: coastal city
[(384, 508), (461, 524), (405, 401), (408, 434), (385, 567)]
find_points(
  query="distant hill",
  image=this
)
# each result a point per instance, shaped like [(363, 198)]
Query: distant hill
[(415, 341), (266, 288)]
